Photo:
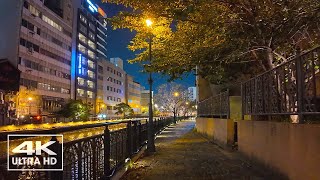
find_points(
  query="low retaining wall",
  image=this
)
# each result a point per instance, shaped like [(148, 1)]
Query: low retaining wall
[(221, 130), (290, 149)]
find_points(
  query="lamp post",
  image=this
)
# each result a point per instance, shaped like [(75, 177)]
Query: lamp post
[(150, 146)]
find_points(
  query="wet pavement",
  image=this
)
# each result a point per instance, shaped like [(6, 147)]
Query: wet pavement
[(184, 154)]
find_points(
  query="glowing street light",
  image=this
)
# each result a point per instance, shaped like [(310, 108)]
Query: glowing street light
[(156, 106), (30, 98), (176, 94), (149, 22)]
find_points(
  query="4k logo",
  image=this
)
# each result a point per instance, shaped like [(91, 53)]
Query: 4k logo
[(39, 147), (35, 155)]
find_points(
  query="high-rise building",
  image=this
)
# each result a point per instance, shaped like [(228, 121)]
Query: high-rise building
[(36, 37), (192, 93), (133, 94), (111, 88), (89, 47)]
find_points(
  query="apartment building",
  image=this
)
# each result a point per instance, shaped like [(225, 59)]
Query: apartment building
[(133, 94), (111, 88), (38, 39), (89, 47)]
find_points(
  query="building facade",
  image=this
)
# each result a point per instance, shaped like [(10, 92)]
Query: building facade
[(117, 62), (111, 88), (38, 41), (133, 94), (89, 47), (192, 93)]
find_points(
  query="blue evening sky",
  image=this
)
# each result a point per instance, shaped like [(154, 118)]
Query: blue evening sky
[(117, 47)]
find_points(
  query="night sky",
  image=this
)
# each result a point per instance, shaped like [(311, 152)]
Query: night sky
[(117, 47)]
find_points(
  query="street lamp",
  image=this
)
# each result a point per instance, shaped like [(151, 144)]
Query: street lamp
[(150, 146)]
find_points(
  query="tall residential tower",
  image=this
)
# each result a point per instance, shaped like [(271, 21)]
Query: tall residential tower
[(89, 47)]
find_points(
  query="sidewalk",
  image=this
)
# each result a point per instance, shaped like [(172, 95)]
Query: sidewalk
[(184, 154)]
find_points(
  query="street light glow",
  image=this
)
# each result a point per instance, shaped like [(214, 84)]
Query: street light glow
[(156, 105), (176, 94), (149, 22), (30, 98)]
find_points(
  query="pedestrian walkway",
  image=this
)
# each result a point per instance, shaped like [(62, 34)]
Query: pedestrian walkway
[(184, 154)]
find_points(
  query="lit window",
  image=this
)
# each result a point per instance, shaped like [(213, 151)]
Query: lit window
[(91, 54), (82, 38), (90, 94), (80, 92), (91, 74), (80, 81), (90, 84), (52, 23), (82, 49), (65, 91), (33, 10), (91, 44), (91, 64)]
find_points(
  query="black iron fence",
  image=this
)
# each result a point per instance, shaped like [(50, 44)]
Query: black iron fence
[(97, 156), (292, 88), (216, 106)]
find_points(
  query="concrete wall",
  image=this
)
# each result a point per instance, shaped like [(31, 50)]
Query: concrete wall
[(235, 107), (291, 149), (220, 130)]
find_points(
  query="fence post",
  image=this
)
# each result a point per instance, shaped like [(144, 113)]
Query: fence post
[(300, 85), (254, 109), (106, 145), (135, 136), (228, 104), (129, 139), (56, 147), (140, 134), (243, 101), (220, 99)]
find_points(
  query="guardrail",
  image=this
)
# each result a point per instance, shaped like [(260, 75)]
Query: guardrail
[(292, 88), (97, 156), (216, 106)]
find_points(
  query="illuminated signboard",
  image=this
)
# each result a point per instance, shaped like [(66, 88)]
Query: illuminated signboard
[(92, 7), (80, 64), (102, 13)]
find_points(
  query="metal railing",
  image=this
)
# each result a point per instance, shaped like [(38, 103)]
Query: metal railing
[(292, 88), (216, 106), (97, 156)]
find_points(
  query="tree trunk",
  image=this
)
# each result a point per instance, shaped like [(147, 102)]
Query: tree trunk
[(270, 59)]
